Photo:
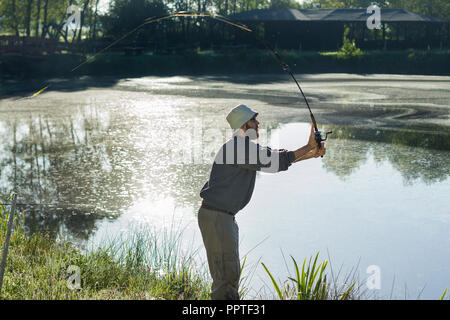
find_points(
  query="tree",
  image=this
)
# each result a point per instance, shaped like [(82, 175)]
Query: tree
[(44, 25), (28, 17), (10, 16), (280, 4), (125, 15), (42, 18), (433, 8), (38, 17)]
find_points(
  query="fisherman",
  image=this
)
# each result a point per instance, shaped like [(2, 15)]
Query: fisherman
[(229, 189)]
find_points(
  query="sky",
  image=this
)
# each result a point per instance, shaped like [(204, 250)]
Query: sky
[(103, 5)]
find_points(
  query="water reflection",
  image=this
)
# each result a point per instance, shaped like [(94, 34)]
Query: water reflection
[(412, 136), (61, 173), (70, 171), (417, 156), (80, 157), (344, 157), (73, 170), (140, 152)]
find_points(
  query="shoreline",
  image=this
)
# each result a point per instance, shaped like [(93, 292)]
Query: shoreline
[(261, 62)]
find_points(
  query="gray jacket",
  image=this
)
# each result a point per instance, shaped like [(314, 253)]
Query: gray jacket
[(233, 174)]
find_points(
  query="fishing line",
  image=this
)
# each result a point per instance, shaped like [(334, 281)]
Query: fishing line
[(68, 205)]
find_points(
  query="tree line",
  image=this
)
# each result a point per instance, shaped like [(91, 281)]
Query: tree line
[(47, 18)]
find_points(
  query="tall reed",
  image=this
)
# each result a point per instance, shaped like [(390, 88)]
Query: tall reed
[(141, 265), (310, 283)]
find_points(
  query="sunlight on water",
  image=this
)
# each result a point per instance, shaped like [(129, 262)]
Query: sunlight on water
[(90, 163), (375, 210)]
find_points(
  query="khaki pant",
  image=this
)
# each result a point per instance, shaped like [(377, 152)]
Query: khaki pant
[(220, 235)]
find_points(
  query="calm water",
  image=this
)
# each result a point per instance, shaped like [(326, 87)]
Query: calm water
[(92, 158)]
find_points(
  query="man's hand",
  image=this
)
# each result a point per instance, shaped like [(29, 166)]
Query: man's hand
[(311, 149), (312, 143), (319, 152)]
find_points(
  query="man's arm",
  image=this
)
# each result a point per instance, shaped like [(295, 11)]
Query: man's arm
[(303, 153), (315, 152)]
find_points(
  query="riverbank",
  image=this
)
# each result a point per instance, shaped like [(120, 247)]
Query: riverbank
[(40, 268), (425, 62)]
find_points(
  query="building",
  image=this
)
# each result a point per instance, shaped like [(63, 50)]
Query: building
[(323, 29)]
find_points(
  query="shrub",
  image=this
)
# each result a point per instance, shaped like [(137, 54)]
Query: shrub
[(348, 49)]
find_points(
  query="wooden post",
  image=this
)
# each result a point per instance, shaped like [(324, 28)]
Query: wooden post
[(5, 247)]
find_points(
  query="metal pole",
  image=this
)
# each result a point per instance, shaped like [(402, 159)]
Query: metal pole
[(5, 247)]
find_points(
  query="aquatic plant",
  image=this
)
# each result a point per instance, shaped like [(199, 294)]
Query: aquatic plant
[(310, 284)]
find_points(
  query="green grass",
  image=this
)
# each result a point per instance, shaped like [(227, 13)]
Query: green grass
[(311, 284), (143, 266)]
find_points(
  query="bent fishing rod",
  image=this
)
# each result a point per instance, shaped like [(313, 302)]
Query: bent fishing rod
[(317, 134)]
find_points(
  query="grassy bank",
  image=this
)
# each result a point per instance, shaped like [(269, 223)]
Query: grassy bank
[(143, 266), (137, 267), (428, 62), (140, 267)]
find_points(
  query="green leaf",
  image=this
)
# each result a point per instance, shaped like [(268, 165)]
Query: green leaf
[(242, 267), (298, 278), (277, 288), (443, 295), (346, 293)]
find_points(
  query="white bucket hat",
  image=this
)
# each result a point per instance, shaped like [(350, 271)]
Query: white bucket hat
[(239, 115)]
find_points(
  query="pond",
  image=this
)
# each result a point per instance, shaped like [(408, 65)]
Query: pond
[(92, 157)]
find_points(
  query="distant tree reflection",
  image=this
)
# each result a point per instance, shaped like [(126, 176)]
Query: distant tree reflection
[(88, 162), (415, 155)]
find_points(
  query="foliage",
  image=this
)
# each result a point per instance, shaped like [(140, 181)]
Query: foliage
[(46, 18), (113, 63), (348, 49), (125, 15), (310, 284), (38, 268), (279, 4)]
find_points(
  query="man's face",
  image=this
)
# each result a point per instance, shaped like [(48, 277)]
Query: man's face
[(252, 128)]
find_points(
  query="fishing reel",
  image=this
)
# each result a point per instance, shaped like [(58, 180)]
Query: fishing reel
[(319, 139)]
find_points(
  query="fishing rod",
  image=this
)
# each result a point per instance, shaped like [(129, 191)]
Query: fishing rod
[(317, 134)]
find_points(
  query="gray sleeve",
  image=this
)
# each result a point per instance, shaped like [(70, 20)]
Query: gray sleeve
[(251, 156), (283, 161)]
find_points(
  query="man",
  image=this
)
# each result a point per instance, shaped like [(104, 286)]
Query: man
[(229, 189)]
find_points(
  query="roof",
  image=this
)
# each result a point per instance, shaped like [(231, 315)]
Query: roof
[(343, 15)]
